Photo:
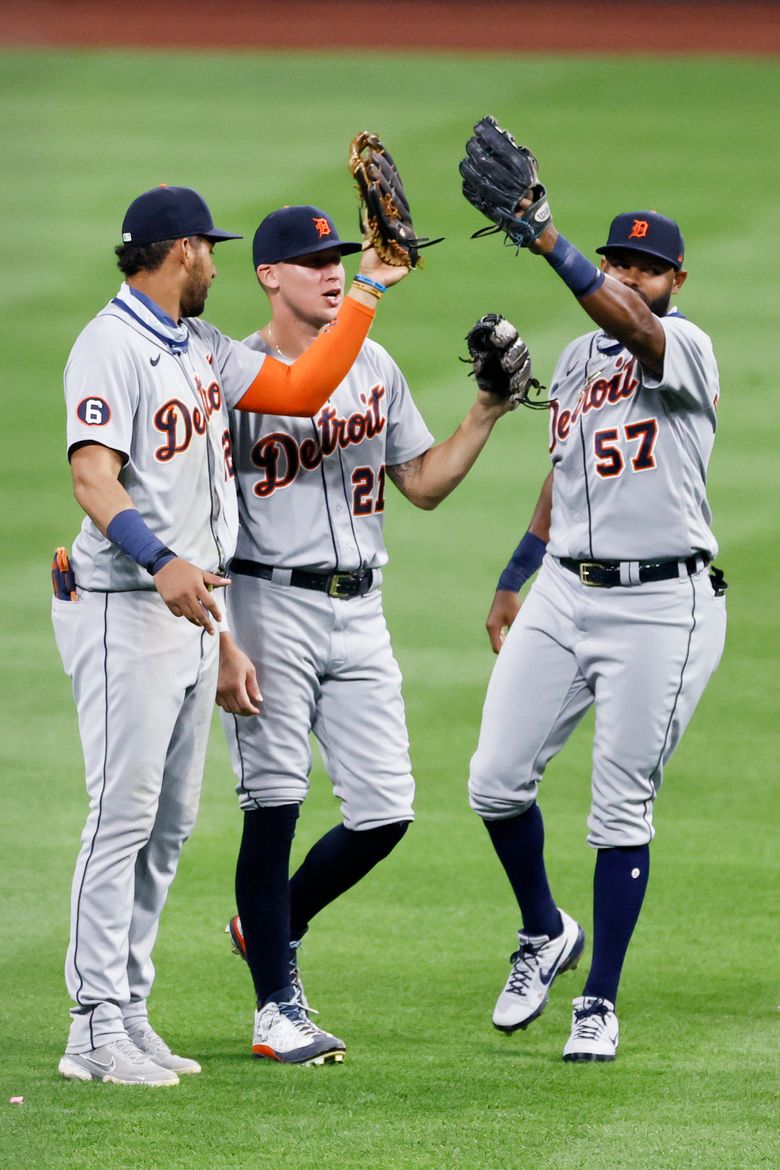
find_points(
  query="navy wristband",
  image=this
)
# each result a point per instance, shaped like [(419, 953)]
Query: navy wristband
[(130, 532), (575, 270), (166, 555), (525, 560)]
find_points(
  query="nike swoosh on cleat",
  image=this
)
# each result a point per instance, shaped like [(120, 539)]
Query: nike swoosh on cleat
[(154, 361), (105, 1068), (546, 976)]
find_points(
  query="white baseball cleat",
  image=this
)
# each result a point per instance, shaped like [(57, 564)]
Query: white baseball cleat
[(535, 965), (147, 1041), (118, 1063), (594, 1030), (285, 1033)]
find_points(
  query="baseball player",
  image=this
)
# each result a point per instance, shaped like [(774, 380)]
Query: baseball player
[(624, 613), (147, 387), (306, 606)]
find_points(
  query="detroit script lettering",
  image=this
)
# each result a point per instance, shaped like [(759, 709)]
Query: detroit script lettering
[(280, 457)]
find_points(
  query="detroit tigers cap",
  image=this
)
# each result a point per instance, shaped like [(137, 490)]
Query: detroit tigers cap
[(170, 213), (647, 231), (297, 231)]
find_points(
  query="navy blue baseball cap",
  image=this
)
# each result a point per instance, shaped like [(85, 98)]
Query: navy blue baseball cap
[(297, 231), (647, 231), (170, 213)]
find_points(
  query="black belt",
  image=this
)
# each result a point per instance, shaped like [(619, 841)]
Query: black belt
[(342, 585), (606, 574)]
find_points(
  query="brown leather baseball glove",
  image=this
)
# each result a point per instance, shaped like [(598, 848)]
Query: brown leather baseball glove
[(384, 216)]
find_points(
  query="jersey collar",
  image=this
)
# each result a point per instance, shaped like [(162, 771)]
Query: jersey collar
[(146, 313), (153, 308)]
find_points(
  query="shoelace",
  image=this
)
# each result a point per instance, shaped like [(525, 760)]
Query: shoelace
[(591, 1021), (131, 1052), (152, 1042), (297, 1016), (300, 994), (295, 978), (528, 954), (295, 975)]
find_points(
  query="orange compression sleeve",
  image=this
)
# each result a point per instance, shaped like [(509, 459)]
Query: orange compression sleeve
[(302, 388)]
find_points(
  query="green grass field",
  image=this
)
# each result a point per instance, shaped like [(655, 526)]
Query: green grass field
[(406, 967)]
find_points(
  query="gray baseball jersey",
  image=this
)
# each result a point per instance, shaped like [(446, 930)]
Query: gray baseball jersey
[(312, 491), (311, 496), (164, 407), (630, 452), (143, 680)]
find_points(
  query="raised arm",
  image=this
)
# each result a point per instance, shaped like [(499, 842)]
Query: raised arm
[(626, 296), (607, 299), (302, 387)]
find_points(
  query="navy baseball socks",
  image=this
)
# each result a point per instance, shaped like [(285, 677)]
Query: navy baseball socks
[(295, 985), (333, 865), (263, 895), (619, 884), (519, 843)]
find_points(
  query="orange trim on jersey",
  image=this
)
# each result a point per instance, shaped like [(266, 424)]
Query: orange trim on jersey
[(302, 388)]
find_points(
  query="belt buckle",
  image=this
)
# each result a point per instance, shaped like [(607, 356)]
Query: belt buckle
[(339, 585), (586, 568)]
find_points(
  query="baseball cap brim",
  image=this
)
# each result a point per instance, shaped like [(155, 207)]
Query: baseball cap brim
[(637, 246), (216, 234), (346, 247)]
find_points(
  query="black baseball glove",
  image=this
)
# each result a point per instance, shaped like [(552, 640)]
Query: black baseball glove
[(385, 216), (500, 361), (497, 174)]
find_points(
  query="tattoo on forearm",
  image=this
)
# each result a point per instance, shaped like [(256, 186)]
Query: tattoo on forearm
[(401, 472)]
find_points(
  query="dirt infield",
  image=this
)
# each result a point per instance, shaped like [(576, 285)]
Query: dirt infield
[(511, 26)]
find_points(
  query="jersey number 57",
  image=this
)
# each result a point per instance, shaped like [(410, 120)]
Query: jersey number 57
[(610, 460)]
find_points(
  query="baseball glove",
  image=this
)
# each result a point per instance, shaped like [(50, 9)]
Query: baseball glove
[(384, 216), (497, 174), (500, 361)]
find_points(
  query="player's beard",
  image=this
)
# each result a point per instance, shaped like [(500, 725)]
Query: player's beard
[(193, 296), (660, 306)]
